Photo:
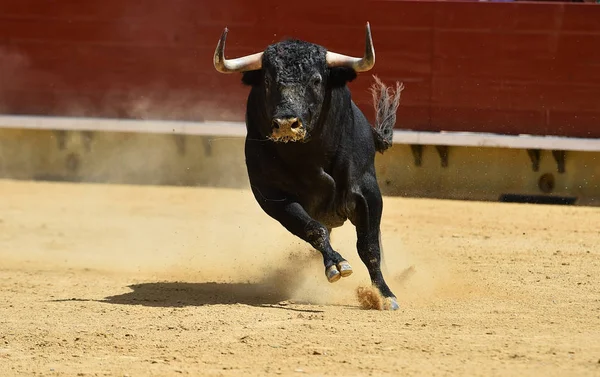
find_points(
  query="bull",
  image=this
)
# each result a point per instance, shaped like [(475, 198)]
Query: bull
[(310, 150)]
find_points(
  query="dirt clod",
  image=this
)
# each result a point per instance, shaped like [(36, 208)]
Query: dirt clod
[(369, 298)]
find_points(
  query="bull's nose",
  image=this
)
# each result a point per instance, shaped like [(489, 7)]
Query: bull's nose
[(287, 129), (286, 124)]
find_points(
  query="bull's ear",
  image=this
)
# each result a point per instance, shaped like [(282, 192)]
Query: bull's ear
[(339, 76), (252, 78)]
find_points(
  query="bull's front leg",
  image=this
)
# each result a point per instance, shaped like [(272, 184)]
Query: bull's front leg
[(367, 219), (298, 222)]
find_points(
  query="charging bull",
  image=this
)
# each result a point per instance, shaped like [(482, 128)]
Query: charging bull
[(310, 150)]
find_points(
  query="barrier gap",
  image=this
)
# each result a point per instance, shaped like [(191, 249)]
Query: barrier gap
[(538, 199)]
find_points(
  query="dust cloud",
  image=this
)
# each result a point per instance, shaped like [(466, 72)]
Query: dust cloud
[(267, 255), (190, 234), (193, 235), (196, 236)]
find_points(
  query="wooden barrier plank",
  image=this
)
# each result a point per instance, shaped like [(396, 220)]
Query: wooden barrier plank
[(484, 66), (237, 129)]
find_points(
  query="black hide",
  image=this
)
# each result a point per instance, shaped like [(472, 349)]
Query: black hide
[(316, 184)]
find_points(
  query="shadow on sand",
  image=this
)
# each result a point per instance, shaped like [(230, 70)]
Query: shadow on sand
[(180, 294), (272, 290)]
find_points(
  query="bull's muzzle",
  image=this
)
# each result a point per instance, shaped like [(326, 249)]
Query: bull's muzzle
[(288, 129)]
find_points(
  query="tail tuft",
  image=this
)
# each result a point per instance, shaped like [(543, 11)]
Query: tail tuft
[(386, 101)]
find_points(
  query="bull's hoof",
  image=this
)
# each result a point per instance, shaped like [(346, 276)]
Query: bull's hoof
[(344, 268), (332, 274), (392, 304)]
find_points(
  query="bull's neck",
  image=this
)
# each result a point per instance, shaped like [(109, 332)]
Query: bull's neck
[(337, 120), (316, 153)]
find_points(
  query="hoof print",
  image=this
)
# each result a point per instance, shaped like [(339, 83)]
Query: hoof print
[(332, 274), (344, 268)]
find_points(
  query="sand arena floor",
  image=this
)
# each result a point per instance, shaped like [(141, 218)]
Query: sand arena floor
[(102, 280)]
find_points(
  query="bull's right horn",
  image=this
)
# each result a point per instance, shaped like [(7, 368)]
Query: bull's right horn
[(363, 64), (243, 64)]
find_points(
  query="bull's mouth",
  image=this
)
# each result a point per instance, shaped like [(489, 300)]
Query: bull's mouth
[(278, 137), (288, 130)]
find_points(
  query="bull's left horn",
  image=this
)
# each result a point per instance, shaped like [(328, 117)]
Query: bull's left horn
[(243, 64), (363, 64)]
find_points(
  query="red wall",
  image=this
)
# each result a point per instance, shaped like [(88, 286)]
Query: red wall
[(467, 66)]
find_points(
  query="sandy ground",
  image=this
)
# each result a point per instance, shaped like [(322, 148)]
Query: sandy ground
[(130, 281)]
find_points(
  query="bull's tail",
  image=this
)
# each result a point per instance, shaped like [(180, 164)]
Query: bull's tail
[(386, 101)]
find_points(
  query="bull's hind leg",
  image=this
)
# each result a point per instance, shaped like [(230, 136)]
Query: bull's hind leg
[(367, 219), (295, 219)]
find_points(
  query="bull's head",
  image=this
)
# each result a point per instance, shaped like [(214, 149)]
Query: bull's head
[(293, 77)]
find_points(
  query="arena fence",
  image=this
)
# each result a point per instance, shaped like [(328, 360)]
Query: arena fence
[(451, 165)]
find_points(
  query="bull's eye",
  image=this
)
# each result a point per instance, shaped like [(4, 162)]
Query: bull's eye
[(316, 80)]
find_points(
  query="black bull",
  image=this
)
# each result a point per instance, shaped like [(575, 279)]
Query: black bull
[(310, 150)]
